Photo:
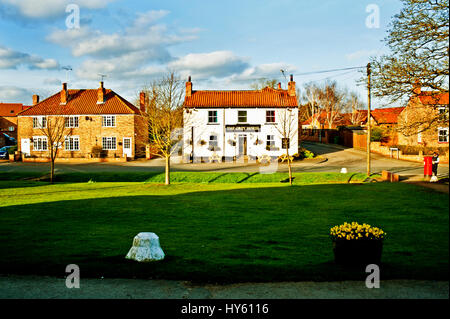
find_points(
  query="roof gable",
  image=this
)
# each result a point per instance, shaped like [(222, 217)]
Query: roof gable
[(82, 102), (266, 97)]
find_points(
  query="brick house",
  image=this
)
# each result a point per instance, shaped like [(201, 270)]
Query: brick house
[(8, 120), (425, 122), (101, 123)]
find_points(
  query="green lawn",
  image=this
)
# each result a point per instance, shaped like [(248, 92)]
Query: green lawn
[(214, 231)]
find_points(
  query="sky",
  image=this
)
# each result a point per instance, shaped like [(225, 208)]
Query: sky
[(223, 45)]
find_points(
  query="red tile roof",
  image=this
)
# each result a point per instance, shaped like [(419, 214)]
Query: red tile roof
[(266, 97), (82, 102), (387, 115), (11, 109), (433, 98)]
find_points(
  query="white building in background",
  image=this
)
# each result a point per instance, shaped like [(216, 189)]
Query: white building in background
[(227, 125)]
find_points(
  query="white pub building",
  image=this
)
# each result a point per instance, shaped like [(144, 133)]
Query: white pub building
[(236, 125)]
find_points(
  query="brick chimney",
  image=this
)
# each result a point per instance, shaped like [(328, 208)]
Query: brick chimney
[(35, 99), (189, 87), (64, 94), (101, 94), (417, 87), (291, 86), (279, 86), (142, 99)]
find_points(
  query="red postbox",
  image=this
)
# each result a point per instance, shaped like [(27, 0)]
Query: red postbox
[(428, 165)]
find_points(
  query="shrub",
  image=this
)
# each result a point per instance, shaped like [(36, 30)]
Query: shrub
[(377, 134), (304, 153)]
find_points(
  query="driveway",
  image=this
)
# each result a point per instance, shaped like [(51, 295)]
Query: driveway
[(333, 159)]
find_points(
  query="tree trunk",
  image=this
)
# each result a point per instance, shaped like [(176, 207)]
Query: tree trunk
[(289, 166), (167, 170), (52, 170)]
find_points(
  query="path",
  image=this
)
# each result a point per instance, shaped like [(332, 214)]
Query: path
[(18, 287)]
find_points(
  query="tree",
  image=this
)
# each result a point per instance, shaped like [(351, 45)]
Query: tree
[(263, 82), (165, 116), (287, 128), (332, 101), (311, 100), (354, 106), (419, 50), (55, 130)]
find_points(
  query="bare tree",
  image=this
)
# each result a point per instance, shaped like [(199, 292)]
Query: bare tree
[(332, 100), (418, 41), (354, 106), (311, 99), (165, 116), (55, 130), (287, 128)]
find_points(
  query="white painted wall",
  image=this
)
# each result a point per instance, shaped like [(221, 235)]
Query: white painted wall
[(198, 119)]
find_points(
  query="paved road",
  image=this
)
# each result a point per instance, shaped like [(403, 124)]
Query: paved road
[(334, 158), (18, 287)]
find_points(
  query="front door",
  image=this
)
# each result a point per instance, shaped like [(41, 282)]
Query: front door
[(242, 145), (127, 147), (25, 146)]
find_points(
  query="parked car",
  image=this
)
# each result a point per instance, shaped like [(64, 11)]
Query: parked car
[(4, 152)]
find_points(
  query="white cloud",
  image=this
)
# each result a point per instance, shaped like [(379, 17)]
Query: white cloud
[(361, 54), (214, 64), (44, 9), (10, 59), (143, 35), (13, 94)]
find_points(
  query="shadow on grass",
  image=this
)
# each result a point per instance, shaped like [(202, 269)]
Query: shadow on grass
[(224, 236)]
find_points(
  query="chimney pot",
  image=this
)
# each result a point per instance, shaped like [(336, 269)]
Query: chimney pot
[(101, 94), (35, 99), (291, 86), (142, 101), (189, 87), (64, 94)]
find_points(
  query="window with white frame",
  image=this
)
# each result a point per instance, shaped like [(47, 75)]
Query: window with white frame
[(39, 122), (212, 117), (72, 143), (72, 121), (270, 116), (11, 128), (40, 143), (270, 143), (443, 134), (242, 116), (213, 142), (109, 143), (109, 121)]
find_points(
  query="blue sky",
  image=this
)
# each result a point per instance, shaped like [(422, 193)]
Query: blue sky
[(222, 44)]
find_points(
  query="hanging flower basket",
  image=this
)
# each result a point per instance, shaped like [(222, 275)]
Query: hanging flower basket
[(355, 244)]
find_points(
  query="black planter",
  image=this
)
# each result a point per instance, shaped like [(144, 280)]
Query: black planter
[(357, 252)]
